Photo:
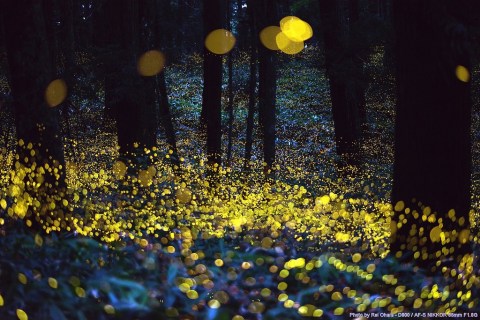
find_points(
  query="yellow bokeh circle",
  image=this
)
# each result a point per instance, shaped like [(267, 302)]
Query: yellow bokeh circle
[(288, 46), (462, 74), (220, 41), (56, 92), (296, 29), (151, 63), (268, 37)]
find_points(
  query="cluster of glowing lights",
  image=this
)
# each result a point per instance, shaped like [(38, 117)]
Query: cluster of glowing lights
[(289, 37), (189, 204), (220, 41)]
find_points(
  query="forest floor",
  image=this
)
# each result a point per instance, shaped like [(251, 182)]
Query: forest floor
[(313, 243)]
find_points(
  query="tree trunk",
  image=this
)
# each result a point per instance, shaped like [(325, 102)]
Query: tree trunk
[(31, 70), (230, 91), (251, 87), (125, 89), (432, 130), (213, 18), (266, 15), (344, 75)]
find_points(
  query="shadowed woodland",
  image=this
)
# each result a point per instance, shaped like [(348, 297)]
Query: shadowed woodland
[(239, 159)]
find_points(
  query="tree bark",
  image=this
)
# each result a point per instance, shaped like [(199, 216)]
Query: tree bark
[(125, 89), (30, 72), (433, 119), (266, 15), (344, 75), (213, 18), (251, 87)]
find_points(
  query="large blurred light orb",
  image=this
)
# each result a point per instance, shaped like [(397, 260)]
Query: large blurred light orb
[(56, 92), (288, 46), (151, 63), (220, 41), (296, 29), (268, 37)]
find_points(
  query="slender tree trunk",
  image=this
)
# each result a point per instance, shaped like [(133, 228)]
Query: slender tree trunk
[(213, 17), (166, 116), (433, 157), (251, 87), (266, 13), (230, 91)]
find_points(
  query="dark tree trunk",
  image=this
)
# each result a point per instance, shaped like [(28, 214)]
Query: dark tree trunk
[(213, 18), (251, 88), (125, 89), (166, 117), (433, 119), (344, 74), (31, 70), (230, 91), (266, 15)]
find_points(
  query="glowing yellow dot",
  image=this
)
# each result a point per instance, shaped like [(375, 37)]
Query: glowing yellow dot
[(151, 63), (22, 315), (464, 236), (1, 301), (338, 311), (399, 206), (282, 286), (337, 296), (56, 92), (109, 309), (289, 303), (22, 278), (184, 195), (237, 317), (80, 292), (52, 282), (356, 257), (417, 303), (435, 234), (38, 240), (214, 304), (220, 41), (265, 292), (462, 74), (192, 294), (282, 297), (219, 262), (317, 313), (284, 273), (267, 242), (268, 37), (3, 204)]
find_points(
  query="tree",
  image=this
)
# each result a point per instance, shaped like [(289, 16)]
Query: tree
[(345, 73), (266, 15), (252, 85), (432, 128), (125, 90), (37, 125), (213, 18)]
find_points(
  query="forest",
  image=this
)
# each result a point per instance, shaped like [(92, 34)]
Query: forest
[(239, 159)]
